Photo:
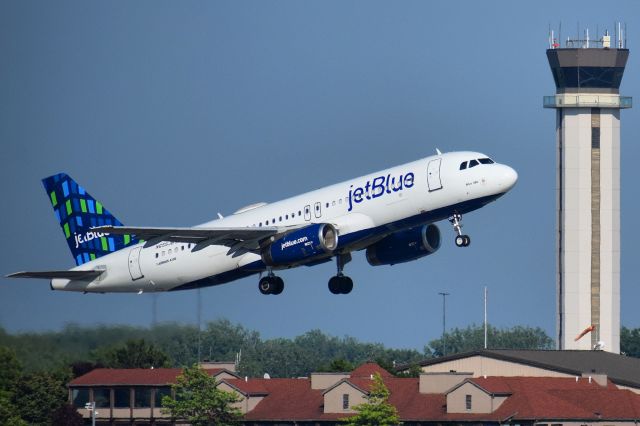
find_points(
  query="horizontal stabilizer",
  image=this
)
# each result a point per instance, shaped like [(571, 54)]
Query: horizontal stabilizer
[(70, 275)]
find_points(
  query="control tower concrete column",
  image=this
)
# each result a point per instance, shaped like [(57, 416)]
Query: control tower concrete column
[(588, 104)]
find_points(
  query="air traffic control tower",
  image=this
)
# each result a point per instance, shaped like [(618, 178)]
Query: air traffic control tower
[(587, 74)]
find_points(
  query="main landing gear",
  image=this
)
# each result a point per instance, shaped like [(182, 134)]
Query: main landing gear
[(271, 284), (461, 240), (341, 284), (338, 284)]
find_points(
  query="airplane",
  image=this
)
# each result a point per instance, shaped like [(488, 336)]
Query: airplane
[(390, 214)]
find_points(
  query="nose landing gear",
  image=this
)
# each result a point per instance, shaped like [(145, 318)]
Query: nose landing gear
[(461, 240)]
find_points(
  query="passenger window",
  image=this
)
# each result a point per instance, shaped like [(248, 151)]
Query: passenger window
[(280, 219), (267, 222), (157, 255), (473, 163), (286, 217), (463, 166), (260, 224), (486, 161), (327, 205)]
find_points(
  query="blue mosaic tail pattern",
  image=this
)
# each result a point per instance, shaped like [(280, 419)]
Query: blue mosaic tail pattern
[(78, 212)]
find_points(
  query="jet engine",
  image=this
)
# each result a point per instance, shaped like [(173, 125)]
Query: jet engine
[(403, 246), (301, 245)]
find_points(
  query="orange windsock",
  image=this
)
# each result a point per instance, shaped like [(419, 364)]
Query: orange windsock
[(585, 331)]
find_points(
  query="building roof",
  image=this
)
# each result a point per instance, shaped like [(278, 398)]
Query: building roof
[(529, 398), (526, 398), (620, 369), (134, 376), (368, 369), (560, 398)]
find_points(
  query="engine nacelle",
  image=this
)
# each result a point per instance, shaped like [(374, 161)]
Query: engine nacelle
[(403, 246), (301, 245)]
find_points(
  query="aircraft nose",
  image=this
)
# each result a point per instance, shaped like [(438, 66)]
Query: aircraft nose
[(508, 177)]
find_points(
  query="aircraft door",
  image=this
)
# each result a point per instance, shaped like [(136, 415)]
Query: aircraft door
[(134, 264), (307, 212), (433, 175), (317, 209)]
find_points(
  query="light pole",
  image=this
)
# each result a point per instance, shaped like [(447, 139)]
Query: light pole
[(444, 321), (91, 406)]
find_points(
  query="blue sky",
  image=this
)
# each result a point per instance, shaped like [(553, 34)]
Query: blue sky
[(169, 112)]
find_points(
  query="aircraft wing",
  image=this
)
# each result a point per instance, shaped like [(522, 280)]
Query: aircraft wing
[(239, 240), (70, 275)]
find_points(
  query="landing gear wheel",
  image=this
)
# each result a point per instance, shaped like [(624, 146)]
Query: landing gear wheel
[(347, 285), (463, 240), (264, 285), (334, 285), (271, 284), (340, 284), (279, 285)]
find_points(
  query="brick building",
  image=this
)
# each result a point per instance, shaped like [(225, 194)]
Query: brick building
[(442, 398)]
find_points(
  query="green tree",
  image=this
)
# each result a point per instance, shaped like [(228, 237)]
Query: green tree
[(198, 400), (67, 415), (135, 353), (630, 341), (377, 411), (9, 412), (472, 338), (338, 365), (38, 395), (10, 373)]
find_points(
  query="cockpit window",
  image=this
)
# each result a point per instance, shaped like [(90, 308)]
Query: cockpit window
[(486, 161), (473, 163), (463, 166)]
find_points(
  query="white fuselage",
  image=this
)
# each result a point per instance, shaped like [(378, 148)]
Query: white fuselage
[(363, 210)]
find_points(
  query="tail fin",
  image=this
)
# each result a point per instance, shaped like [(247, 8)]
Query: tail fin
[(78, 212)]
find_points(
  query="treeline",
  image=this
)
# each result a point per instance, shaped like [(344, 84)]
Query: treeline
[(177, 345), (183, 345)]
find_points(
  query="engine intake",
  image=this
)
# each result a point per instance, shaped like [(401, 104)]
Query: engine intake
[(404, 246), (301, 245)]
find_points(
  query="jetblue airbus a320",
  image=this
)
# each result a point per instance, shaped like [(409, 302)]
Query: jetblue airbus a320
[(390, 214)]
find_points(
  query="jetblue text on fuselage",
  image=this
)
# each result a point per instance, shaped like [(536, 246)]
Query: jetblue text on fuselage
[(378, 187), (81, 239)]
